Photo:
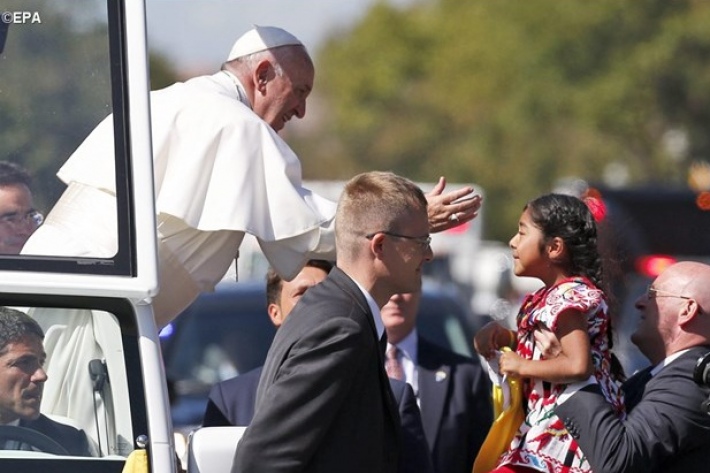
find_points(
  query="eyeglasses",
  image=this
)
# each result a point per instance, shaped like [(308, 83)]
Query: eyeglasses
[(422, 241), (653, 293), (15, 219)]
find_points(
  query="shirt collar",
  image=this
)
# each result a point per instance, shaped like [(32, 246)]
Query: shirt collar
[(376, 315), (236, 84), (667, 361), (409, 346)]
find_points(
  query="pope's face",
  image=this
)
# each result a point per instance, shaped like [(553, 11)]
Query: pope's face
[(284, 96), (21, 379), (15, 224)]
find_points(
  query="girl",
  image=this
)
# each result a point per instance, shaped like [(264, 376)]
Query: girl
[(556, 243)]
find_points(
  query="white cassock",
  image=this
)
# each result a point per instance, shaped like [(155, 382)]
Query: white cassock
[(220, 172)]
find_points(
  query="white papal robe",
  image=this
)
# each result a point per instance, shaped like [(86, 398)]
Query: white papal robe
[(220, 172)]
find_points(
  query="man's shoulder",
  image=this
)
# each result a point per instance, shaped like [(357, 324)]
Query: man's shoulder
[(199, 94), (45, 423), (429, 350), (336, 289), (250, 378), (71, 438)]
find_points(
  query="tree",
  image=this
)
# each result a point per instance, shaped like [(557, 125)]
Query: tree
[(514, 96), (55, 87)]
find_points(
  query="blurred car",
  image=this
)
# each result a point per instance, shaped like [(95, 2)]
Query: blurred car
[(645, 230), (228, 332)]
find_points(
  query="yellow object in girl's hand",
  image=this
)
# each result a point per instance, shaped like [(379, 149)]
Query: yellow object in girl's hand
[(508, 413)]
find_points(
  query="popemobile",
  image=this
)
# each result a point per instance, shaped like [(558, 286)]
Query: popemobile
[(65, 65)]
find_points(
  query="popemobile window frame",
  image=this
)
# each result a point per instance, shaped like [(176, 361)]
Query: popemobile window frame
[(132, 271)]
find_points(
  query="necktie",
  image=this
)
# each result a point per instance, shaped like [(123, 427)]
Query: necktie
[(392, 364)]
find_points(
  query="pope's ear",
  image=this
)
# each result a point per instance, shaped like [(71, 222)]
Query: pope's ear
[(262, 73)]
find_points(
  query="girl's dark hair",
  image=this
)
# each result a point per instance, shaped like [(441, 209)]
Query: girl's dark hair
[(568, 217)]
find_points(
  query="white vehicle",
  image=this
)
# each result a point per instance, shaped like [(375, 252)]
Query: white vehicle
[(64, 66)]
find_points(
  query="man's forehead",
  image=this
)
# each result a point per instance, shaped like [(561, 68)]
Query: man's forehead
[(25, 345)]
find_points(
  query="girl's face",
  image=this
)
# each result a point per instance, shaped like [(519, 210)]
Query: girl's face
[(528, 258)]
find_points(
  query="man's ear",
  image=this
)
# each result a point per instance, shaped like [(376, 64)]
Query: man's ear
[(690, 310), (275, 314), (377, 243)]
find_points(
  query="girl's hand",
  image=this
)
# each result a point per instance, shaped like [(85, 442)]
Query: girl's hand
[(492, 337), (510, 364)]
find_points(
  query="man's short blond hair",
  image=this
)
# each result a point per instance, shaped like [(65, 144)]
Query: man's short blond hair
[(371, 202)]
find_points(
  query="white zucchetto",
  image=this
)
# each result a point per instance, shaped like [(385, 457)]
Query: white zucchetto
[(261, 38)]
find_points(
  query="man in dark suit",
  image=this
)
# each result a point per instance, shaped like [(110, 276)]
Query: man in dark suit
[(665, 429), (324, 402), (22, 380), (453, 390), (231, 402)]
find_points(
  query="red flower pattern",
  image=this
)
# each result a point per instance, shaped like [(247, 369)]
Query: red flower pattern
[(542, 442)]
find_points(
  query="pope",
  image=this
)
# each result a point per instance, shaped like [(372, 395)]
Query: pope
[(221, 170)]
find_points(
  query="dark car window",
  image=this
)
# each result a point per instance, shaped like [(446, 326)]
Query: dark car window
[(228, 332), (643, 230), (217, 337)]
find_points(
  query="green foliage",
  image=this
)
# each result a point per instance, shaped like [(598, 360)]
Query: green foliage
[(515, 95), (54, 88), (162, 73)]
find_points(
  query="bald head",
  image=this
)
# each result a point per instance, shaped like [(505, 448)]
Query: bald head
[(691, 279), (675, 311)]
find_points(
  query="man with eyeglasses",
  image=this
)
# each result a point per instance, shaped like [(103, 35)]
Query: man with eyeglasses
[(324, 401), (665, 429), (18, 217)]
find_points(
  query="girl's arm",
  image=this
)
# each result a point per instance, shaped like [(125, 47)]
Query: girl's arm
[(574, 363)]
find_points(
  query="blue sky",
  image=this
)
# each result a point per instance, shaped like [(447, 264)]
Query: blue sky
[(196, 35)]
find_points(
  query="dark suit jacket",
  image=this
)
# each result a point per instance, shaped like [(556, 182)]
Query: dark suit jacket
[(231, 402), (455, 401), (73, 440), (324, 402), (666, 431)]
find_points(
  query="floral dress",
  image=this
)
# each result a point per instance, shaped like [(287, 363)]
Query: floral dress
[(542, 442)]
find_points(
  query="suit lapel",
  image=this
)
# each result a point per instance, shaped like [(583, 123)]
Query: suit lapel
[(347, 285), (634, 388), (434, 379)]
